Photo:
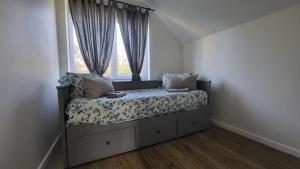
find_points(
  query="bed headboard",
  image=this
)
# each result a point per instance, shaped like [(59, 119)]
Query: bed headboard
[(203, 85), (64, 91), (131, 85)]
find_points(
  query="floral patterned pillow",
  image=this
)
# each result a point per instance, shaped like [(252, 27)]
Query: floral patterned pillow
[(76, 81)]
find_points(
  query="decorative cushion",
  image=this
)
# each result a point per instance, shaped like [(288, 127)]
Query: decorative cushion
[(164, 76), (179, 90), (76, 81), (97, 87), (116, 94), (176, 82)]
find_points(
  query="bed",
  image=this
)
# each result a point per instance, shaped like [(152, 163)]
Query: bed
[(93, 129)]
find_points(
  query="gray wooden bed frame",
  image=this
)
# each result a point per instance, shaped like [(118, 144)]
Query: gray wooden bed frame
[(90, 142)]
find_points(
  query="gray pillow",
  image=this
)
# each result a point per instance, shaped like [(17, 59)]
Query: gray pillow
[(175, 82), (165, 76), (97, 87)]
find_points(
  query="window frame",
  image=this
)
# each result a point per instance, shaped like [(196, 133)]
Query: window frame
[(145, 73)]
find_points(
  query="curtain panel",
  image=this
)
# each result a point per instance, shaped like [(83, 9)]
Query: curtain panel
[(133, 23), (94, 24)]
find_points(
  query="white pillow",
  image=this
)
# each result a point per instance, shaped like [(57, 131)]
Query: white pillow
[(175, 82), (165, 76)]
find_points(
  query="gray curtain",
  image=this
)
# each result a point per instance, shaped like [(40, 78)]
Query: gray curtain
[(94, 23), (133, 23)]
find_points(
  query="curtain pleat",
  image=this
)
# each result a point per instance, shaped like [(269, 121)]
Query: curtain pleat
[(133, 23), (94, 24)]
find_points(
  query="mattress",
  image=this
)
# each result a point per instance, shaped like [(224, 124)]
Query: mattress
[(135, 105)]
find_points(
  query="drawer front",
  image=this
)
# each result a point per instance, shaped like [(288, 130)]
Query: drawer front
[(100, 145), (193, 121), (155, 130)]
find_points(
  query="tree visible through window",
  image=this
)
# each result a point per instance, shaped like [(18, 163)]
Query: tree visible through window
[(118, 69)]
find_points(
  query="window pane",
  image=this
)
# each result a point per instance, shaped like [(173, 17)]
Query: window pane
[(123, 68), (79, 62), (108, 71)]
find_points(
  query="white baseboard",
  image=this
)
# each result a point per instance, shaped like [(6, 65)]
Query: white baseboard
[(281, 147), (49, 154)]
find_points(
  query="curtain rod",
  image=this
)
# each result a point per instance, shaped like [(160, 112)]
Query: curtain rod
[(134, 5)]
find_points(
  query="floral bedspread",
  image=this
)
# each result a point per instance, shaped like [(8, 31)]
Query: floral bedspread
[(135, 105)]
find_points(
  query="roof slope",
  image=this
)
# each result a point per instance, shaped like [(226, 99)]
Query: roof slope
[(193, 19)]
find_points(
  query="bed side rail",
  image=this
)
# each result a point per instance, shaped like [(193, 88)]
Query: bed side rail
[(63, 93), (204, 85)]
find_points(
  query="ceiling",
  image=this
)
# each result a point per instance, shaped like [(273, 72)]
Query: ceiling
[(193, 19)]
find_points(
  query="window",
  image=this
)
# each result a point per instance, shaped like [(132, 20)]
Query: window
[(118, 69)]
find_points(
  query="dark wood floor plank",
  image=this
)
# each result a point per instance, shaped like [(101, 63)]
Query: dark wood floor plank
[(221, 155), (215, 148), (199, 160), (177, 154), (254, 151)]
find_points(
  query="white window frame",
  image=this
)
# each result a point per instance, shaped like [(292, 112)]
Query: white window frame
[(145, 74), (71, 57)]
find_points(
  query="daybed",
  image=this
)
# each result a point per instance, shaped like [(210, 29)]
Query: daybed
[(93, 129)]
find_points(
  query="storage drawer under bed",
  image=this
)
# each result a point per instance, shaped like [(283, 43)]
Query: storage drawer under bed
[(155, 130), (100, 145), (86, 143), (193, 121)]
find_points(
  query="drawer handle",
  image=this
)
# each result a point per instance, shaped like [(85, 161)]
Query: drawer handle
[(194, 123), (107, 143), (157, 131)]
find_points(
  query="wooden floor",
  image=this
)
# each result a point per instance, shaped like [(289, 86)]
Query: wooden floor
[(215, 148)]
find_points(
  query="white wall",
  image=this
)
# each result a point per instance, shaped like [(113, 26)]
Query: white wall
[(28, 73), (255, 72), (165, 49)]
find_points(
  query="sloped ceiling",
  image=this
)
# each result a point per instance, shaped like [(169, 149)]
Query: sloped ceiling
[(193, 19)]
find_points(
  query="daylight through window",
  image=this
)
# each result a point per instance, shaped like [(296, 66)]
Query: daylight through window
[(118, 69)]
